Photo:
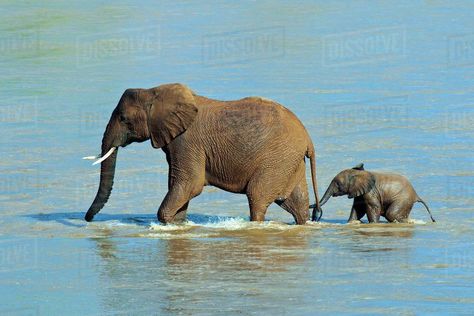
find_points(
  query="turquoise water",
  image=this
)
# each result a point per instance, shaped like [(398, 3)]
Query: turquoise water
[(390, 85)]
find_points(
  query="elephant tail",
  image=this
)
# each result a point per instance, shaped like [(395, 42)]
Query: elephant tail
[(427, 208), (317, 211)]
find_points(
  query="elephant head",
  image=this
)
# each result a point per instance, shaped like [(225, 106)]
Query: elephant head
[(160, 113), (353, 182)]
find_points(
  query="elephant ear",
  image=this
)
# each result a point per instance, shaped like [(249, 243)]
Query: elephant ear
[(359, 166), (172, 111), (360, 183)]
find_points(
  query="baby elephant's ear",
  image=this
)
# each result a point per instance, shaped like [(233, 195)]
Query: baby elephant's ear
[(359, 166), (360, 183)]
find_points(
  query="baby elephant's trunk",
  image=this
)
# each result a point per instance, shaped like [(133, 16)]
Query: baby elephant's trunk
[(427, 208), (329, 192)]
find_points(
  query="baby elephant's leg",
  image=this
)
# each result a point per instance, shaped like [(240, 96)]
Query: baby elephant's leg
[(373, 214), (398, 213), (357, 213)]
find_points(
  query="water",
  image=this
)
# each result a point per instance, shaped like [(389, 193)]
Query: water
[(389, 85)]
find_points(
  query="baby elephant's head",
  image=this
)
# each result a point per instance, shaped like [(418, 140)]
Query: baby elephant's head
[(353, 182)]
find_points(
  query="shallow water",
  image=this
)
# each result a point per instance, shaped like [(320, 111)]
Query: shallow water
[(389, 85)]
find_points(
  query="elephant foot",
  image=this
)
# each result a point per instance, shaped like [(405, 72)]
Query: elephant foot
[(400, 221), (301, 217), (179, 218)]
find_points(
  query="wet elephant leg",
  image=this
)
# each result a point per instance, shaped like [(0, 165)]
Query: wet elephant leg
[(297, 204), (262, 190), (181, 215), (181, 189), (257, 210), (356, 214), (358, 210), (175, 200), (397, 213), (373, 214)]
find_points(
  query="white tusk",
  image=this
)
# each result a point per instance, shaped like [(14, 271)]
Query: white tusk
[(105, 156), (90, 157)]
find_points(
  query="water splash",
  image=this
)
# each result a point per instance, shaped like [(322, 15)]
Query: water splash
[(416, 221)]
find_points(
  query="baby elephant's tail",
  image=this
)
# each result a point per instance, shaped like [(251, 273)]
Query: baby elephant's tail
[(423, 202)]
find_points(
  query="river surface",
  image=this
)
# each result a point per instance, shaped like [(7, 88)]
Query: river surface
[(390, 85)]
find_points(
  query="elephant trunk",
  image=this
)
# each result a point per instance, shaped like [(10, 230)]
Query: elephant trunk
[(329, 192), (107, 172)]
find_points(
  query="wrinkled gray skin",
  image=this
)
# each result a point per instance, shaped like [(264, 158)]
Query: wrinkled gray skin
[(251, 146), (375, 194)]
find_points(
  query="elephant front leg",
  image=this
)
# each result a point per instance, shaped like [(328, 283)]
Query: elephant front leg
[(373, 214), (257, 211), (358, 210), (356, 215), (181, 215), (174, 206)]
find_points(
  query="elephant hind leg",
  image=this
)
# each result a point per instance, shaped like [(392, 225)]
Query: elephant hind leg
[(260, 195), (397, 213), (287, 190), (257, 211), (373, 214), (356, 214), (297, 204)]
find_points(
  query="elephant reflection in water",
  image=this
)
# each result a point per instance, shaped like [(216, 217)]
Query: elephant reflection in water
[(226, 271), (375, 238), (255, 251), (187, 275), (395, 231), (121, 272), (372, 245)]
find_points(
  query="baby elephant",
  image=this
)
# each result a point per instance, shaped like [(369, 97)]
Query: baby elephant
[(375, 194)]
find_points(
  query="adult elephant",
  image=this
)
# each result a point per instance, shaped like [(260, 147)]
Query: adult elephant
[(252, 146)]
